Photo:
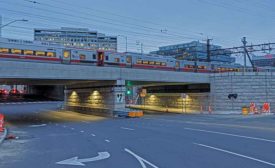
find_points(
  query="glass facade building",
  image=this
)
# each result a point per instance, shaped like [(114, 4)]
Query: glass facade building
[(194, 50), (77, 37), (264, 61)]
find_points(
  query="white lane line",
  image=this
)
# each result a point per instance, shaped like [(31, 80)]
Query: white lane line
[(130, 129), (85, 122), (72, 128), (40, 125), (236, 154), (107, 140), (81, 131), (234, 135), (64, 126), (93, 135), (140, 159)]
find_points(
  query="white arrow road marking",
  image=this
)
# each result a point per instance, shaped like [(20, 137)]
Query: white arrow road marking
[(140, 159), (130, 129), (41, 125), (228, 134), (236, 154), (80, 162)]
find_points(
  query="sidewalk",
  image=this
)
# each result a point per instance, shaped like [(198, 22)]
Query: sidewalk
[(3, 135), (164, 109)]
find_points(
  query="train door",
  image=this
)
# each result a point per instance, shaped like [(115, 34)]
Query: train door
[(129, 61), (100, 58), (66, 56), (177, 66)]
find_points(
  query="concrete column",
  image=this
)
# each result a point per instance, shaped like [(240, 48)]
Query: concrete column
[(119, 97), (104, 98)]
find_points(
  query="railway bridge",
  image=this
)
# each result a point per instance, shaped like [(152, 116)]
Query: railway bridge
[(100, 89)]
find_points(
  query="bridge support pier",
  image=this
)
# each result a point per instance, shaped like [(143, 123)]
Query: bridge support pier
[(104, 98)]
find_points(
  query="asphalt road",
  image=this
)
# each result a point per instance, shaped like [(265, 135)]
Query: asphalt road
[(46, 139)]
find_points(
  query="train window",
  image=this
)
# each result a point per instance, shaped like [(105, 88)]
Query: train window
[(94, 56), (117, 60), (4, 50), (66, 54), (16, 51), (151, 62), (163, 63), (189, 66), (106, 57), (157, 63), (82, 57), (50, 54), (40, 53), (28, 52), (139, 61), (201, 67), (144, 62)]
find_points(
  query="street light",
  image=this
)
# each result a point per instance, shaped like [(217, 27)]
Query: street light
[(126, 41), (11, 22)]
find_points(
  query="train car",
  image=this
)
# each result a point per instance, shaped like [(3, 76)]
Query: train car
[(25, 50), (219, 67), (83, 56), (146, 61), (115, 59)]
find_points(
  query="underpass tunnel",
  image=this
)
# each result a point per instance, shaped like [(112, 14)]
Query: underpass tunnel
[(47, 92), (179, 98)]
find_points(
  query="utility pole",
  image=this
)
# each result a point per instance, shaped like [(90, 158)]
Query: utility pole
[(196, 58), (0, 26), (208, 52), (208, 49), (244, 52)]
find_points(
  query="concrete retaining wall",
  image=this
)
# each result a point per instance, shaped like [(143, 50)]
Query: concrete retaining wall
[(251, 87), (192, 103)]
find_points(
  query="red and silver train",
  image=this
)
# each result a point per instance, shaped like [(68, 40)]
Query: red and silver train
[(24, 50)]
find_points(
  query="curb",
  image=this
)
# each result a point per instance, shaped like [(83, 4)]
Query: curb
[(5, 134)]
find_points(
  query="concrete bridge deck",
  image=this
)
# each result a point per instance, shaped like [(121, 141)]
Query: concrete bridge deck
[(17, 70)]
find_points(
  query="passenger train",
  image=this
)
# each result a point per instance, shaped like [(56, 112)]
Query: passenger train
[(23, 50)]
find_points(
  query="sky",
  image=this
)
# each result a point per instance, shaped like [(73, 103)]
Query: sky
[(153, 23)]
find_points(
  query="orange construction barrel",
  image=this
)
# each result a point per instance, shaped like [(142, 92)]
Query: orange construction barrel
[(1, 123), (245, 110)]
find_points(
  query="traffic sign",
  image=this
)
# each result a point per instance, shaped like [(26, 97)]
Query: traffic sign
[(119, 97)]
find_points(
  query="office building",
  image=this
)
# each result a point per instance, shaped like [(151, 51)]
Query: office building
[(264, 61), (78, 38), (194, 50)]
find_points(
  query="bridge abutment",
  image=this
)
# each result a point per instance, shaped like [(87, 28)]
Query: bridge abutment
[(105, 98)]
